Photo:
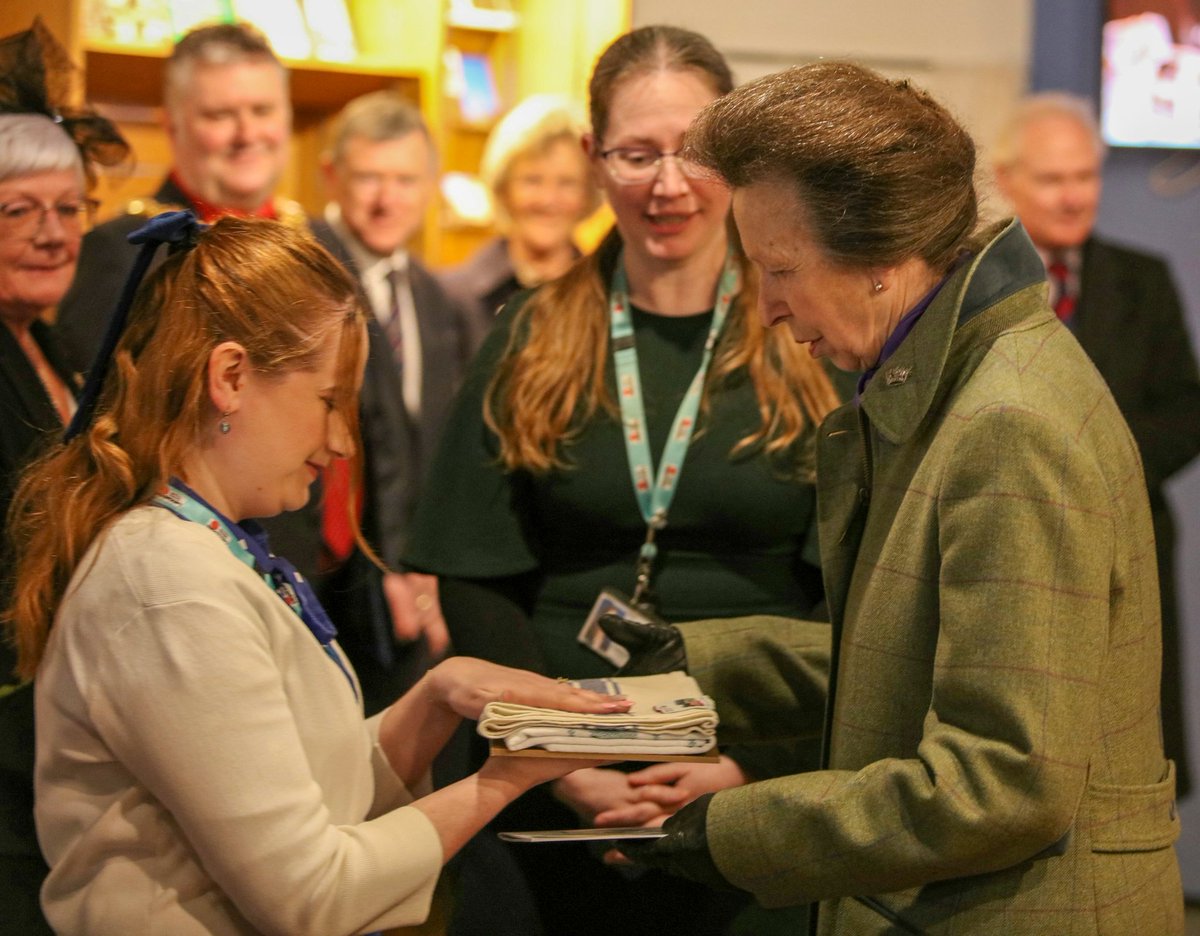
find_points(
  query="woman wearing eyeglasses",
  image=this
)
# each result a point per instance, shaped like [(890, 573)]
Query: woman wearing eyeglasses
[(539, 502), (45, 164), (43, 210)]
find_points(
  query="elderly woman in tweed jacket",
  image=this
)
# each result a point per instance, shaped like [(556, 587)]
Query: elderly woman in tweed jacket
[(993, 760)]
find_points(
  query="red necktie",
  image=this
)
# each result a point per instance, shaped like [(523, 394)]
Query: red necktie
[(337, 534), (1064, 302)]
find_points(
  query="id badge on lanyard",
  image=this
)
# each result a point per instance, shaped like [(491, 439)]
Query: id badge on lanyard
[(653, 490)]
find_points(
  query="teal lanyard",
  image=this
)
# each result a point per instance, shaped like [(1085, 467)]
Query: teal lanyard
[(248, 543), (655, 492)]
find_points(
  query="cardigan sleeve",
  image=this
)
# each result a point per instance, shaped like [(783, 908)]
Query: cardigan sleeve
[(390, 791), (189, 698)]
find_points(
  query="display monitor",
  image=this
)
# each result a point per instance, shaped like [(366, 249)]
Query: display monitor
[(1150, 74)]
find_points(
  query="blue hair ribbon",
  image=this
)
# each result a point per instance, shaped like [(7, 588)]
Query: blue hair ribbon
[(179, 229)]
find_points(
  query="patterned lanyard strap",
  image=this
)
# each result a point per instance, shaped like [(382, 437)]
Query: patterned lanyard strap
[(248, 542), (654, 492)]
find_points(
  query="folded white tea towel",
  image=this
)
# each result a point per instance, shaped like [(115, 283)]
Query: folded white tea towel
[(669, 715)]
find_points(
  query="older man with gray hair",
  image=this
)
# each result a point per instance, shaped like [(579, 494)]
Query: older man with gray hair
[(228, 119), (381, 171), (1123, 307)]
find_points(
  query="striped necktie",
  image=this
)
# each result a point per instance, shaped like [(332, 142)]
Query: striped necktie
[(1064, 295), (392, 327)]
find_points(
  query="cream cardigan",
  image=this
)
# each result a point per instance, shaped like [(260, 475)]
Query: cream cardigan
[(202, 765)]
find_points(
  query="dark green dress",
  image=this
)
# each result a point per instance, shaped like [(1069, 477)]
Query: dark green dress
[(740, 537), (531, 554)]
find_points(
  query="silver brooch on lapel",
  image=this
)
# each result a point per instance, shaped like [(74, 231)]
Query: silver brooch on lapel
[(896, 375)]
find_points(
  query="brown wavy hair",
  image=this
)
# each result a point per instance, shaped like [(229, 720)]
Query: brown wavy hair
[(551, 379), (271, 288)]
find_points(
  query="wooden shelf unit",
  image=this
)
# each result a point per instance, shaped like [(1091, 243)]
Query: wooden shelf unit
[(401, 45)]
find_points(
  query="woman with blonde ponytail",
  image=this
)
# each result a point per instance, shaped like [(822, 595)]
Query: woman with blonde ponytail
[(203, 762), (629, 430)]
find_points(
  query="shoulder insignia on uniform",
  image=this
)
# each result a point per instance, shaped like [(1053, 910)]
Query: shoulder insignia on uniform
[(290, 212), (148, 207)]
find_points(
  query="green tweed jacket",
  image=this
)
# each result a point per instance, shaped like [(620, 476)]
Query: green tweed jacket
[(993, 754)]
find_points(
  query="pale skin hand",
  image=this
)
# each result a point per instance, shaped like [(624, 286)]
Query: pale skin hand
[(463, 808), (592, 792), (660, 786), (466, 684), (419, 723), (660, 790), (412, 600), (416, 726)]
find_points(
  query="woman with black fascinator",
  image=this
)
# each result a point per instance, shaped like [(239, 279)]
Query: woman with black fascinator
[(48, 155)]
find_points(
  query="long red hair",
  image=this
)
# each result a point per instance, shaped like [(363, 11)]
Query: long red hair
[(269, 287)]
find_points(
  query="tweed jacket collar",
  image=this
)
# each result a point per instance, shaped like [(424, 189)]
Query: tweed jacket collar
[(901, 393), (900, 396)]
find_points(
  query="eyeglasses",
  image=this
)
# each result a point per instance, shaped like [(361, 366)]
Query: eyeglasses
[(25, 217), (631, 165)]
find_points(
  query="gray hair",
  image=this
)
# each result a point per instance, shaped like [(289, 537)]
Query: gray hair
[(380, 116), (531, 129), (32, 143), (223, 44), (1006, 148)]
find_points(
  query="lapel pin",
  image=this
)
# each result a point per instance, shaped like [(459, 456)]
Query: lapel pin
[(897, 375)]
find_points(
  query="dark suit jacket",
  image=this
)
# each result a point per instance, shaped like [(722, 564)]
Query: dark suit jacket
[(27, 416), (1129, 321), (483, 283), (105, 260), (398, 449), (28, 420)]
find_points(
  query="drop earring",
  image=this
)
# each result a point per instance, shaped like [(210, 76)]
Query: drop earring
[(223, 425)]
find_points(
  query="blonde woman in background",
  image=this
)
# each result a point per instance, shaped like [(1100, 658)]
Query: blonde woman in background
[(536, 170)]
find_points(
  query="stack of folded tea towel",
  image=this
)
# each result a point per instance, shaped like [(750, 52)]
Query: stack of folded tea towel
[(669, 715)]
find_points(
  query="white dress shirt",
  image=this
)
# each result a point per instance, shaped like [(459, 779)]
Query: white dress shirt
[(373, 273)]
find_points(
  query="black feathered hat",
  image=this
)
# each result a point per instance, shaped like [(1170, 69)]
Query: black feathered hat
[(35, 78)]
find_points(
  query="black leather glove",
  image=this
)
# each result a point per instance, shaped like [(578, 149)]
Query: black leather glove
[(683, 851), (653, 648)]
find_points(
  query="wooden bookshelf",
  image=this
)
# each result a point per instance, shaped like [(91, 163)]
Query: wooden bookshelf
[(550, 46)]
